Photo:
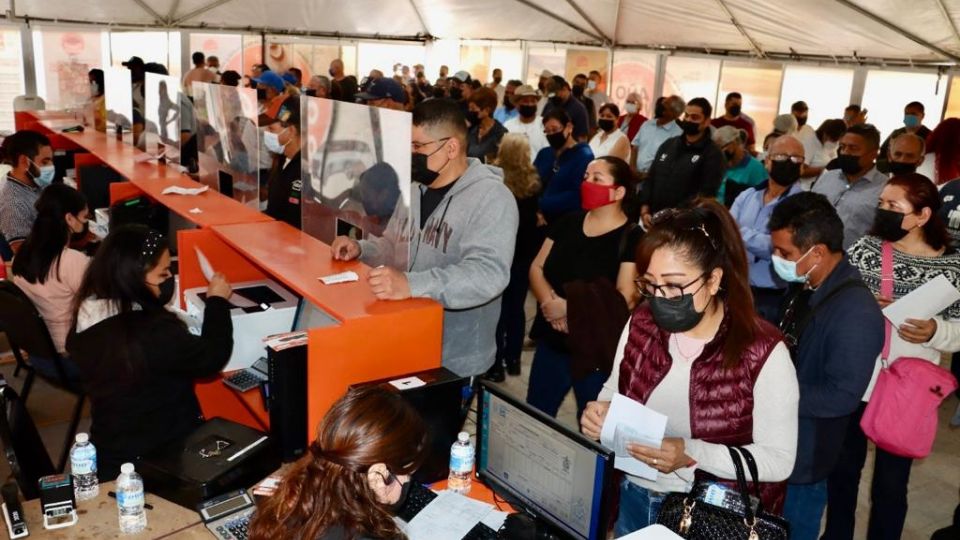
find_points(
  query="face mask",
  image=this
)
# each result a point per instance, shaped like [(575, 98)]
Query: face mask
[(82, 233), (44, 176), (888, 225), (787, 270), (272, 142), (311, 92), (606, 124), (659, 109), (94, 89), (496, 80), (689, 128), (631, 108), (734, 111), (473, 117), (675, 314), (898, 169), (332, 72), (166, 287), (456, 93), (801, 121), (508, 103), (785, 172), (729, 154), (527, 111), (420, 172), (591, 85), (911, 121), (595, 195), (577, 90), (557, 140), (848, 164), (261, 94), (557, 102), (395, 508)]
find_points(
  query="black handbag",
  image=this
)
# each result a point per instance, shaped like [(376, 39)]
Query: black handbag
[(690, 517)]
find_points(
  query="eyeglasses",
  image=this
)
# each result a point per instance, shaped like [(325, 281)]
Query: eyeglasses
[(783, 157), (418, 145), (649, 289)]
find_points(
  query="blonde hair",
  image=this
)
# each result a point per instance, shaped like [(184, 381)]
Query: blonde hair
[(519, 174)]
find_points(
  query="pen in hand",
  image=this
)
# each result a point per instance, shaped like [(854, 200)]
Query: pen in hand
[(113, 495)]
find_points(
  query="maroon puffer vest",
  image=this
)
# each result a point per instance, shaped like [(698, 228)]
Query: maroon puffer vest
[(721, 400)]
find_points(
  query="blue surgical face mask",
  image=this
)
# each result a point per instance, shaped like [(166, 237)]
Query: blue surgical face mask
[(272, 142), (911, 120), (45, 177), (787, 270)]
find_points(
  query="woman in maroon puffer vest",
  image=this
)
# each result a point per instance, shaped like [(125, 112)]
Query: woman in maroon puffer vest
[(697, 352)]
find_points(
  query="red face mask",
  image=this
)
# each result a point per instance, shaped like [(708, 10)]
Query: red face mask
[(595, 195)]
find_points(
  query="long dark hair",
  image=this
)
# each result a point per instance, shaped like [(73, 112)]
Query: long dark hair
[(922, 193), (706, 236), (623, 176), (328, 486), (50, 233)]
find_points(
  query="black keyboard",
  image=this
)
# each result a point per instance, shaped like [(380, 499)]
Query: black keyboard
[(481, 532), (418, 499)]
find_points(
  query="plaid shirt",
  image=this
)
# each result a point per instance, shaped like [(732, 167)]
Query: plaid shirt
[(17, 210)]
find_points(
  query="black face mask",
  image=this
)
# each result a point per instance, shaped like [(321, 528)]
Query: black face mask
[(473, 118), (557, 101), (395, 508), (527, 111), (888, 225), (332, 72), (785, 172), (261, 94), (78, 236), (689, 128), (801, 121), (508, 103), (166, 290), (848, 164), (606, 124), (675, 314), (496, 80), (420, 172), (578, 90), (729, 154), (898, 169), (734, 111), (456, 94), (658, 110), (557, 140)]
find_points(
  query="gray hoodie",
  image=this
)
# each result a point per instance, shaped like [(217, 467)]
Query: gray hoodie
[(460, 258)]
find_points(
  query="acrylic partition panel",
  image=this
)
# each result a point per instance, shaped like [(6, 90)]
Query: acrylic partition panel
[(118, 94), (356, 176), (228, 141), (162, 105)]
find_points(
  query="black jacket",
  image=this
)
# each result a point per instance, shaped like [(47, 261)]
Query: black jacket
[(140, 404), (681, 171), (284, 191)]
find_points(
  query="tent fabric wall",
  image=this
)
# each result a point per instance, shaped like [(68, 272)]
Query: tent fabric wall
[(860, 29)]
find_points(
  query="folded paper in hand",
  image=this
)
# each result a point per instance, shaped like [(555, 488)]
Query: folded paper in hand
[(923, 302), (627, 422), (177, 190), (207, 270)]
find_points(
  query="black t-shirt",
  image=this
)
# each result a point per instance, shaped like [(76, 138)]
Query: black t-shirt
[(430, 200), (950, 210), (576, 256), (284, 191)]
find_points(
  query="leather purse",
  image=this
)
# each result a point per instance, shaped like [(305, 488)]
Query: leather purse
[(688, 515)]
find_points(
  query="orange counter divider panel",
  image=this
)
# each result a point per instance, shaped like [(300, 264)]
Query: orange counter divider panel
[(373, 340)]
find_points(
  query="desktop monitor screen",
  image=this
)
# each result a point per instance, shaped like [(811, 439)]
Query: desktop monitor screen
[(534, 462)]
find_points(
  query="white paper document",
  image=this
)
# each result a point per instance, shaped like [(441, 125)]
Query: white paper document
[(342, 277), (177, 190), (923, 302), (448, 517), (205, 267), (631, 422), (653, 532)]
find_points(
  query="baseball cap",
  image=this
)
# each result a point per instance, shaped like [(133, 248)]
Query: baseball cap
[(133, 61), (546, 74), (726, 135), (785, 123), (270, 79), (289, 78), (382, 88), (461, 76), (524, 91)]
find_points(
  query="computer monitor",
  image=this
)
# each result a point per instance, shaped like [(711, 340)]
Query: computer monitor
[(554, 473), (310, 316)]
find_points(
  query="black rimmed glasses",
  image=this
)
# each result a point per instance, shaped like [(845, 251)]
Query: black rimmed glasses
[(417, 146), (649, 289)]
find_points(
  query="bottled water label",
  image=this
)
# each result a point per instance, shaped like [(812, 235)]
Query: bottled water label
[(461, 459), (130, 499), (83, 460)]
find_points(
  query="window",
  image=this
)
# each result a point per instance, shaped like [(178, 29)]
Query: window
[(760, 87), (826, 91), (692, 77), (228, 48), (63, 58), (475, 59), (633, 72), (150, 46), (586, 60), (539, 59), (887, 92), (384, 56), (11, 75), (509, 60)]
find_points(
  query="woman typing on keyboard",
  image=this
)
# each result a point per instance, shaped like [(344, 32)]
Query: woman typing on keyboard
[(353, 477)]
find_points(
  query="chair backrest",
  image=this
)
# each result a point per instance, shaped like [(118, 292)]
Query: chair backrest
[(22, 446), (23, 324), (29, 103)]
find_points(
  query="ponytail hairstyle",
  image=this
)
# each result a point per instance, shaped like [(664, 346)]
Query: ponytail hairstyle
[(328, 486), (624, 176), (706, 236)]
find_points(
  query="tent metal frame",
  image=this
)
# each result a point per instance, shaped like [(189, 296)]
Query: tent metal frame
[(909, 35)]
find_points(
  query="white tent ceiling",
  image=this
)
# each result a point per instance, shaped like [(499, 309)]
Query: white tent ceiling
[(921, 31)]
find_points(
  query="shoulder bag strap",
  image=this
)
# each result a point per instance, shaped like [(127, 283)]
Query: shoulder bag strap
[(741, 483), (886, 289), (754, 475)]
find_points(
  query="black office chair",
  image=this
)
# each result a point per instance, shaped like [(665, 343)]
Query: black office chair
[(21, 443), (26, 331)]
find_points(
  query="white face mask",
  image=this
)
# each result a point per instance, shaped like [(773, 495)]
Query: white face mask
[(272, 142), (591, 85), (631, 108)]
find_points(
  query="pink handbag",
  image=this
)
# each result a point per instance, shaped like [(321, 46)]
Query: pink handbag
[(901, 416)]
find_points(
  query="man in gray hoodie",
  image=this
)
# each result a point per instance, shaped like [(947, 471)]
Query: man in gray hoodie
[(462, 230)]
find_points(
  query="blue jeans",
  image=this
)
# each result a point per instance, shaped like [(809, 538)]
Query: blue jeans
[(550, 380), (639, 508), (804, 509)]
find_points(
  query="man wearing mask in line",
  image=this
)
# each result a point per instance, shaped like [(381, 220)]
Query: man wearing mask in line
[(752, 210), (495, 85), (912, 123), (579, 90), (213, 65), (653, 134), (385, 93), (685, 166), (905, 154), (347, 83), (853, 115), (806, 134), (319, 86), (507, 109), (462, 229), (271, 87), (460, 89), (834, 328), (527, 121), (631, 120), (31, 156), (855, 187), (593, 90), (545, 77), (284, 188), (561, 95), (733, 106)]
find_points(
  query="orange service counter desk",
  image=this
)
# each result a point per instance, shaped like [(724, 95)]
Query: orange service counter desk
[(373, 339)]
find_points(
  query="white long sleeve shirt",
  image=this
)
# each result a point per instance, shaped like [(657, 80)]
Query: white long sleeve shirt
[(775, 395)]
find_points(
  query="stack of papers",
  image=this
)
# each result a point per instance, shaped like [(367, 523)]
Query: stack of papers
[(627, 422)]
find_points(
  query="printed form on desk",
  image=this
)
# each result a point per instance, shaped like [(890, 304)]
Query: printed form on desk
[(629, 421), (450, 517)]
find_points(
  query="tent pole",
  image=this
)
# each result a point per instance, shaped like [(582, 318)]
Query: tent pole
[(423, 23), (912, 37), (150, 11), (616, 24), (173, 10), (589, 21), (733, 20), (560, 19), (199, 11), (949, 19)]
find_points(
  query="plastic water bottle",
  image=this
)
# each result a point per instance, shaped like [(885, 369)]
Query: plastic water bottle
[(83, 466), (133, 518), (461, 464)]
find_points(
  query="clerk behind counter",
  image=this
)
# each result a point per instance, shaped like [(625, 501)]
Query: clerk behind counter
[(137, 360)]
